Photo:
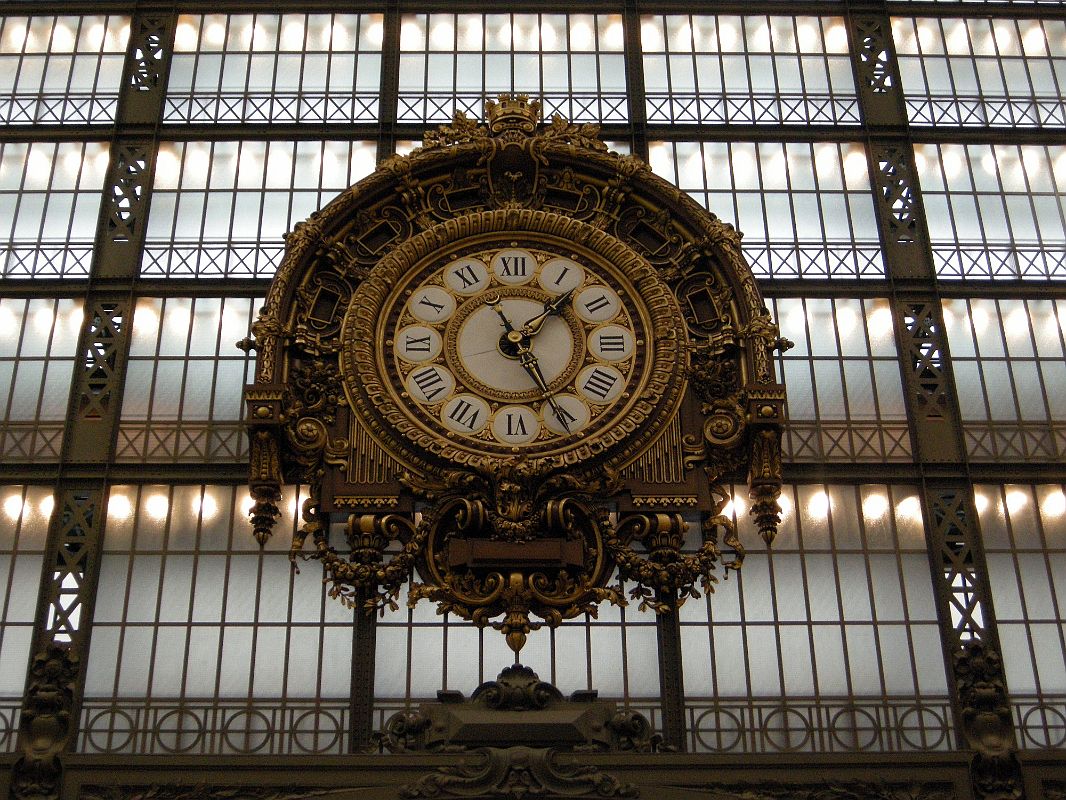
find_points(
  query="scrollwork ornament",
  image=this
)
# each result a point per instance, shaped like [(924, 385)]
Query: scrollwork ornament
[(517, 688), (45, 723), (516, 773), (514, 511), (986, 719)]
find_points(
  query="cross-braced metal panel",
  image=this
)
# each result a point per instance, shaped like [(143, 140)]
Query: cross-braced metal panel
[(38, 342), (978, 72), (829, 642), (186, 376), (452, 62), (761, 70), (50, 195), (1008, 359), (205, 644), (995, 211), (61, 69), (24, 515), (845, 393), (1024, 529), (806, 210), (275, 68), (220, 209)]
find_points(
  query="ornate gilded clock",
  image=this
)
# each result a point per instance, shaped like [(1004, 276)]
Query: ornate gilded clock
[(546, 352)]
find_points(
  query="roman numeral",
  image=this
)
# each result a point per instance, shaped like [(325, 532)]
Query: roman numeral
[(437, 307), (612, 343), (600, 383), (595, 305), (428, 379), (467, 275), (515, 269), (465, 414), (562, 275), (419, 344), (516, 425)]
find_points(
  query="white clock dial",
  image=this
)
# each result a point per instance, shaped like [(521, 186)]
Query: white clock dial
[(600, 383), (514, 267), (560, 275), (466, 276), (597, 304), (417, 343), (465, 413), (515, 424), (479, 350), (568, 415), (611, 343), (431, 304), (430, 384)]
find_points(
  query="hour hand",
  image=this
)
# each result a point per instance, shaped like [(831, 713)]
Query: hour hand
[(552, 307)]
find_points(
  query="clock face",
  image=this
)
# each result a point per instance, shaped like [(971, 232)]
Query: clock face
[(515, 346)]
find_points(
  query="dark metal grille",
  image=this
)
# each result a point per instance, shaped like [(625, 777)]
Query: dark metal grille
[(50, 195), (24, 515), (978, 72), (275, 68), (845, 400), (806, 209), (38, 340), (190, 376), (1008, 357), (220, 209), (202, 643), (995, 211), (761, 70), (61, 69), (451, 62), (839, 618), (1024, 529)]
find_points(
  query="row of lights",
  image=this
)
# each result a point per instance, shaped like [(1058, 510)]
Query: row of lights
[(61, 37), (1000, 162), (957, 40), (293, 34), (45, 320), (473, 34), (72, 161), (846, 321), (179, 320), (764, 38), (198, 160), (1017, 323), (743, 163), (818, 506)]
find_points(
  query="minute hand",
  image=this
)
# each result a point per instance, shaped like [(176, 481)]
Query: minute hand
[(531, 365)]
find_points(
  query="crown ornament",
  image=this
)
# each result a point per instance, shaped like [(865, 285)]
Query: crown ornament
[(517, 113)]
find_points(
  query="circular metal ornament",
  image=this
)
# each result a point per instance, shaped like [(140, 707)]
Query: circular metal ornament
[(377, 385)]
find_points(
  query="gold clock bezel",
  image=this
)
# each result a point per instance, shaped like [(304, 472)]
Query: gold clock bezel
[(377, 395)]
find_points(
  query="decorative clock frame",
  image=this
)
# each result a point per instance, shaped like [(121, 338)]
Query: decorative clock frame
[(494, 534)]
